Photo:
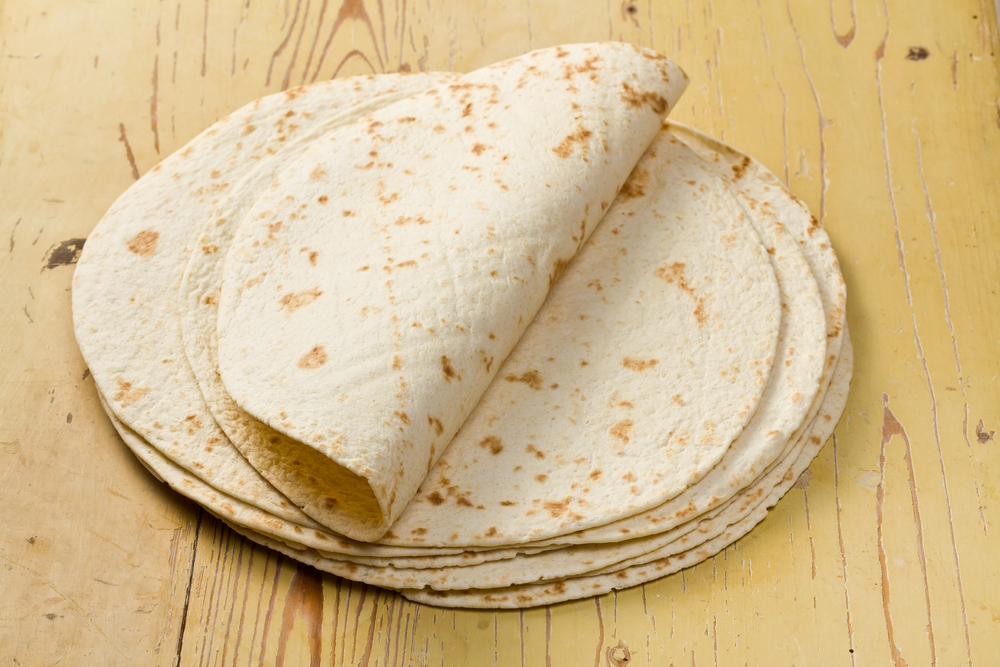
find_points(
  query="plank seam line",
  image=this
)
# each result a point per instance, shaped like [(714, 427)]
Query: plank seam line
[(187, 592)]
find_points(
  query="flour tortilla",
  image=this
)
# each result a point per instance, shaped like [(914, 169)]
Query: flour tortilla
[(125, 285), (674, 164), (519, 597), (776, 213), (648, 359), (711, 358), (384, 582), (713, 535), (483, 189)]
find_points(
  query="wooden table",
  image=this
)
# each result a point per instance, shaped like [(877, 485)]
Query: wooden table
[(883, 116)]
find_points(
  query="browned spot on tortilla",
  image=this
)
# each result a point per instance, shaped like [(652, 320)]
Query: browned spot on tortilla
[(813, 225), (314, 358), (596, 474), (507, 503), (557, 508), (272, 229), (436, 423), (492, 443), (541, 478), (295, 300), (463, 501), (639, 364), (403, 417), (635, 186), (557, 270), (192, 424), (448, 371), (674, 273), (741, 168), (478, 149), (317, 173), (127, 395), (621, 430), (323, 199), (248, 128), (637, 98), (565, 147), (435, 498), (531, 449), (467, 111), (396, 365), (532, 378), (814, 439), (312, 257), (144, 243), (629, 476), (405, 220), (690, 508), (491, 532)]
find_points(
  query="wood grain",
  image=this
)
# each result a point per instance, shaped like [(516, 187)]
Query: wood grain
[(884, 116)]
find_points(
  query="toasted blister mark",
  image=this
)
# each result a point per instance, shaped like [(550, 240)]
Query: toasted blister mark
[(492, 443), (127, 394), (192, 424), (435, 423), (565, 147), (637, 98), (621, 430), (144, 243), (674, 274), (448, 370), (314, 358), (639, 364), (740, 169), (557, 507), (531, 378), (295, 300), (635, 186)]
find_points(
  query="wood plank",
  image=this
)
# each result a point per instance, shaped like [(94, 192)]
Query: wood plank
[(883, 555), (95, 555)]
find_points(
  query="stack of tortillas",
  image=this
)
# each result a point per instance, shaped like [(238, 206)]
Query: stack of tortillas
[(494, 340)]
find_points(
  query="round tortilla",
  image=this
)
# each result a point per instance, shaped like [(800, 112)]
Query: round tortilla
[(718, 536), (371, 292)]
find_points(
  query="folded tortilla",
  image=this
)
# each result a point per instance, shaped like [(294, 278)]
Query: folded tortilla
[(374, 288)]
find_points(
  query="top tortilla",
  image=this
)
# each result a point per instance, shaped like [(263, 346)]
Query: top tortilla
[(327, 332)]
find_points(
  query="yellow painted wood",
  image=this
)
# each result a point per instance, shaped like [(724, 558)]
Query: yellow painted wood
[(885, 553)]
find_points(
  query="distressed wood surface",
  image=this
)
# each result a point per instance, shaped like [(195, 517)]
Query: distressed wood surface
[(884, 115)]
